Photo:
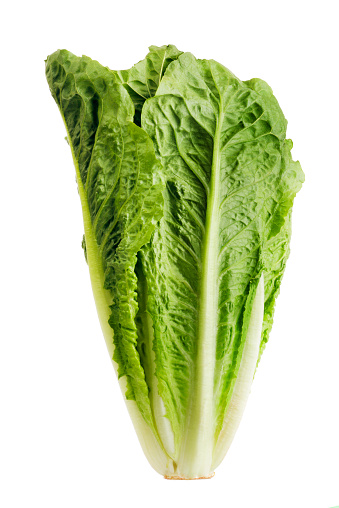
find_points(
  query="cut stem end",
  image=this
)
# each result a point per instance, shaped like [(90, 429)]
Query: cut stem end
[(183, 478)]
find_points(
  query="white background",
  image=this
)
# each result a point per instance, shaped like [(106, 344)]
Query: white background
[(65, 436)]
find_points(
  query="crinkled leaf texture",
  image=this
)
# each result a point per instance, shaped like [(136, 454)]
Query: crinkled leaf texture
[(186, 183)]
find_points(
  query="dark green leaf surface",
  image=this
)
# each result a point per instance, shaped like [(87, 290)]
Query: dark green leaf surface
[(120, 178)]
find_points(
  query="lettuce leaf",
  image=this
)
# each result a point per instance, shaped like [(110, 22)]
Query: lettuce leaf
[(143, 79), (187, 183), (121, 195)]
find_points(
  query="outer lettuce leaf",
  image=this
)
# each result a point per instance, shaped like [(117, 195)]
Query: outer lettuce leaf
[(121, 195), (229, 190)]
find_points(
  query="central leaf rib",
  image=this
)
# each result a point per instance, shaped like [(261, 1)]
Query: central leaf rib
[(196, 453)]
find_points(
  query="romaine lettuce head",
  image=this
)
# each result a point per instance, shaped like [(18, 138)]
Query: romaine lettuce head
[(186, 184)]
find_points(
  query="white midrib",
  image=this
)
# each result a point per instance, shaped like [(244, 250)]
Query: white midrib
[(196, 453)]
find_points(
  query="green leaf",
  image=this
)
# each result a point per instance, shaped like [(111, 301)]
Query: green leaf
[(230, 185), (143, 79), (121, 196)]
